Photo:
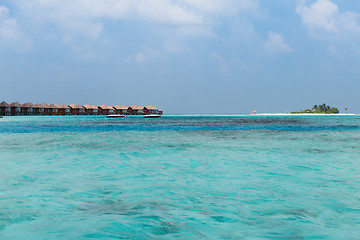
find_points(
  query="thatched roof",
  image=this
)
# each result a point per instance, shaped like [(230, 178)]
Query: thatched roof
[(61, 106), (15, 104), (150, 107), (45, 105), (120, 107), (28, 105), (52, 106), (136, 107), (106, 107), (4, 104), (88, 106), (38, 105), (75, 106)]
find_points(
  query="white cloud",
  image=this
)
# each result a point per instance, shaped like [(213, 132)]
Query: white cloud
[(165, 11), (221, 7), (325, 15), (277, 43), (10, 33), (87, 15), (170, 26), (4, 12)]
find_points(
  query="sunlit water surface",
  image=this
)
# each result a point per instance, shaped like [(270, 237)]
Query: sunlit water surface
[(180, 177)]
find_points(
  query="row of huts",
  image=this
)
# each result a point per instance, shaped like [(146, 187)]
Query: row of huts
[(17, 109)]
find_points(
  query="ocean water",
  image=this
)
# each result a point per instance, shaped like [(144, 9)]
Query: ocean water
[(180, 177)]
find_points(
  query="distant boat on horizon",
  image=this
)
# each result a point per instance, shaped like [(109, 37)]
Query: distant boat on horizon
[(254, 112)]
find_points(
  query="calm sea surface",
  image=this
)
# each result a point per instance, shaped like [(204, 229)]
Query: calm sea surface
[(180, 177)]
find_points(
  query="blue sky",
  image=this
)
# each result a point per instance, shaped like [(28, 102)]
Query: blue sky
[(189, 56)]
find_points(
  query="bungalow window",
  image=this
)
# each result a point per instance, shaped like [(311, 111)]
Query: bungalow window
[(95, 110), (55, 110), (111, 110), (29, 109), (41, 110), (8, 109), (17, 109), (67, 110), (81, 110)]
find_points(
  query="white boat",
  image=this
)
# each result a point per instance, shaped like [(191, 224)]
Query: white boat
[(152, 116), (254, 112), (115, 116)]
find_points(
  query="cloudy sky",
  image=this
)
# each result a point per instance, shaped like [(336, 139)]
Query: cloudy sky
[(184, 56)]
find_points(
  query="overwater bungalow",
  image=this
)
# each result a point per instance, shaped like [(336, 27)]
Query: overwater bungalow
[(121, 109), (27, 109), (135, 110), (5, 109), (54, 109), (39, 109), (15, 108), (46, 107), (49, 109), (91, 109), (106, 109), (62, 109), (76, 109), (151, 110)]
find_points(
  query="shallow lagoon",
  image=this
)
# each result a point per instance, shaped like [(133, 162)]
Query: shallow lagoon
[(185, 177)]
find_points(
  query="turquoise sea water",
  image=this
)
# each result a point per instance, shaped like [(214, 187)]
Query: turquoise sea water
[(180, 177)]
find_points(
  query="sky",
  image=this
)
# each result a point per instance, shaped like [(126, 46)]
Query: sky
[(182, 56)]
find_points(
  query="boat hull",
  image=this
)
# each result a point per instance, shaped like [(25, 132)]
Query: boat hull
[(115, 116), (152, 116)]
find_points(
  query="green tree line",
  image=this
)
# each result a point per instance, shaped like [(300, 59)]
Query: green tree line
[(323, 108)]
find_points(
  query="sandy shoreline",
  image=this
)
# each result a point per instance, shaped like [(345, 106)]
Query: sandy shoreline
[(304, 114)]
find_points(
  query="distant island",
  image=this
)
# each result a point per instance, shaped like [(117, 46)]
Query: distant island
[(319, 109)]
